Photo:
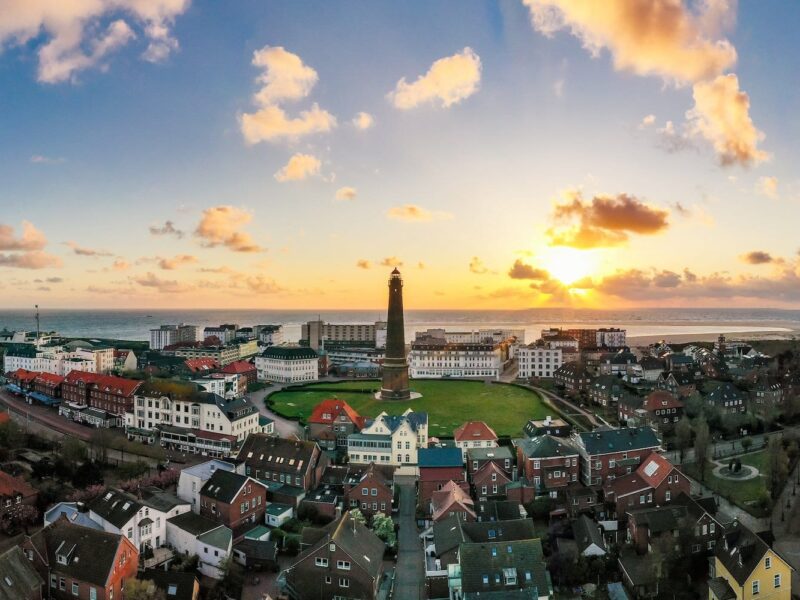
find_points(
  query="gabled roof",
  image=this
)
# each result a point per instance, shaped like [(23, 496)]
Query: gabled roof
[(239, 367), (49, 378), (619, 440), (659, 519), (392, 422), (659, 400), (453, 530), (289, 353), (725, 391), (24, 375), (474, 430), (654, 469), (11, 486), (328, 411), (193, 523), (261, 451), (225, 485), (486, 470), (524, 557), (587, 532), (740, 551), (196, 365), (116, 507), (451, 495), (440, 457), (18, 578), (651, 363), (546, 446), (184, 583)]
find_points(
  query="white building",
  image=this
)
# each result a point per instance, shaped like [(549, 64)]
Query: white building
[(288, 364), (142, 520), (611, 337), (437, 358), (221, 384), (58, 360), (390, 440), (539, 359), (494, 336), (318, 334), (225, 333), (270, 335), (190, 534), (192, 480)]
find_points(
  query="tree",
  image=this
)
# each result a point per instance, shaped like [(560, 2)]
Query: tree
[(383, 527), (747, 443), (12, 436), (777, 466), (101, 442), (73, 451), (683, 435), (357, 515), (702, 438), (136, 589)]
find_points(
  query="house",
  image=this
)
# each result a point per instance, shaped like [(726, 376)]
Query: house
[(324, 501), (660, 410), (490, 470), (588, 537), (745, 567), (234, 500), (278, 514), (451, 499), (76, 513), (639, 574), (103, 392), (507, 569), (474, 434), (331, 422), (125, 360), (256, 554), (142, 520), (289, 467), (242, 368), (548, 462), (613, 452), (345, 560), (15, 493), (766, 395), (192, 534), (19, 580), (652, 368), (727, 398), (288, 364), (574, 377), (501, 456), (76, 561), (48, 384), (547, 426), (192, 479), (654, 483), (370, 490), (677, 383), (175, 585), (606, 390), (389, 440), (437, 466)]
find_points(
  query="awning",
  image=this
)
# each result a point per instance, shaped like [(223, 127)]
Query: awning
[(11, 387), (44, 398)]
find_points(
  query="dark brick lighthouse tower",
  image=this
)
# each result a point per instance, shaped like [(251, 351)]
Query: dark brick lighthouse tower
[(395, 367)]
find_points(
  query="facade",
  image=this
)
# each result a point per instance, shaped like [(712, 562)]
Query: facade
[(296, 464), (113, 395), (611, 337), (474, 434), (192, 479), (727, 398), (345, 561), (15, 493), (79, 562), (573, 376), (331, 422), (611, 453), (242, 368), (288, 364), (168, 335), (549, 463), (437, 467), (229, 386), (539, 360), (389, 440), (547, 426), (655, 483), (451, 499), (192, 534), (394, 383), (270, 335), (371, 491), (58, 360), (222, 355), (436, 358), (224, 333), (318, 334), (234, 500)]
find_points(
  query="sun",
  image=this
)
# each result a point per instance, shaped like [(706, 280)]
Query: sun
[(569, 265)]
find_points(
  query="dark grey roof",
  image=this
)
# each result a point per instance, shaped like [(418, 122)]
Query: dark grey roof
[(289, 352), (498, 510), (660, 519), (223, 486), (184, 583), (499, 453), (721, 589), (116, 507), (454, 530), (268, 453), (160, 500), (193, 523), (258, 549), (17, 575), (546, 446), (489, 560), (640, 569), (587, 532), (440, 457), (619, 440), (740, 551)]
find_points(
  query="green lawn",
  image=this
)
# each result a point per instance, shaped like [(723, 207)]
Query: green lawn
[(744, 494), (504, 407)]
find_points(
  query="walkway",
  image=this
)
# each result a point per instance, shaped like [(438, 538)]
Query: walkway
[(729, 508), (574, 407), (285, 428), (410, 576)]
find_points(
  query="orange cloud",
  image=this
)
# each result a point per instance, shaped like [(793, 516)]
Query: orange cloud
[(391, 261), (170, 264), (363, 121), (299, 167), (363, 263), (219, 226), (346, 193), (413, 212), (757, 257), (166, 286), (168, 228), (34, 259), (448, 81), (521, 270), (31, 238), (84, 251)]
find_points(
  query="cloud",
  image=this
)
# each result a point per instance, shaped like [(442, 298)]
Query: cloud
[(54, 280), (362, 263), (666, 39), (421, 265), (413, 212), (166, 286), (168, 228), (84, 251), (476, 266), (76, 36), (363, 121), (604, 220), (219, 226), (219, 270), (721, 114), (299, 167), (757, 257), (31, 238), (121, 265), (666, 279), (521, 270), (448, 81), (346, 193), (768, 186), (176, 262), (672, 140), (284, 79), (391, 261), (558, 88), (34, 259), (40, 159), (259, 284), (647, 121)]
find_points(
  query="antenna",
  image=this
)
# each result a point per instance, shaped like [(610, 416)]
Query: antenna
[(37, 323)]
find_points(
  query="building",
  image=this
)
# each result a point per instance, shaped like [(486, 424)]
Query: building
[(437, 467), (389, 440), (331, 422), (574, 377), (114, 395), (659, 410), (193, 534), (225, 385), (746, 568), (288, 364), (318, 334), (234, 500), (18, 579), (125, 360), (677, 383), (370, 490), (435, 358), (141, 519), (224, 333), (656, 482), (451, 499), (540, 359), (474, 434), (221, 355), (610, 337), (270, 335), (547, 426), (606, 390), (174, 585), (479, 458), (192, 479), (168, 335), (394, 383), (588, 537), (586, 338), (244, 369), (550, 463), (614, 452), (15, 493), (727, 398), (59, 360), (76, 561)]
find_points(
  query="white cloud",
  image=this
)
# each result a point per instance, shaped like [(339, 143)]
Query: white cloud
[(285, 77), (363, 121), (413, 212), (768, 186), (299, 167), (346, 193), (448, 81)]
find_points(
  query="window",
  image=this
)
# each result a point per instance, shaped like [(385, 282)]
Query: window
[(321, 562), (92, 593), (344, 565), (74, 589), (62, 584), (485, 580), (667, 496), (344, 582), (365, 491), (777, 581), (768, 562), (756, 587)]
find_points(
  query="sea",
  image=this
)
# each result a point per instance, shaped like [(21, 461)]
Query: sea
[(660, 322)]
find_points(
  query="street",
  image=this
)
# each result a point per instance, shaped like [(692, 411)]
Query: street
[(410, 574)]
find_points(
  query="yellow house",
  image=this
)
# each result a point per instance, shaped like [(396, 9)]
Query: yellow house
[(744, 567)]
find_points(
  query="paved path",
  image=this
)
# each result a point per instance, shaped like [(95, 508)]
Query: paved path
[(285, 428), (410, 573), (570, 405), (729, 508)]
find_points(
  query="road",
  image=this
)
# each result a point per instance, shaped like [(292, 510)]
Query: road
[(285, 428), (410, 573), (563, 401)]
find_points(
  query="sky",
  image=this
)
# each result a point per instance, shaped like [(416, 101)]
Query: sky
[(503, 154)]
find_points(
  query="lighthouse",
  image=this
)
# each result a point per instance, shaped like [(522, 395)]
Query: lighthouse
[(395, 368)]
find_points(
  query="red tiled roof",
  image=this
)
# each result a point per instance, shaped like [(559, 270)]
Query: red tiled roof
[(239, 367), (24, 375), (451, 494), (76, 376), (485, 473), (654, 469), (11, 486), (474, 430), (334, 408), (200, 364), (121, 353), (627, 484), (117, 385), (50, 378), (660, 399)]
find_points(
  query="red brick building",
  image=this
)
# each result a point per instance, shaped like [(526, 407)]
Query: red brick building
[(490, 481), (438, 466), (237, 501), (22, 378), (113, 394), (331, 422), (451, 499), (76, 385), (548, 462), (371, 491), (79, 562), (655, 483), (14, 494), (607, 454), (48, 384), (242, 367)]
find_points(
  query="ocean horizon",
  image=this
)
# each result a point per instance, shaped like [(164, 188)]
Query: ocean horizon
[(135, 324)]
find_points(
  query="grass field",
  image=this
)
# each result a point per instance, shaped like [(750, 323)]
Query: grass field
[(744, 494), (506, 408)]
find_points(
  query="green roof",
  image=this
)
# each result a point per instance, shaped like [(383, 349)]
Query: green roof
[(276, 509), (257, 532), (221, 537)]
